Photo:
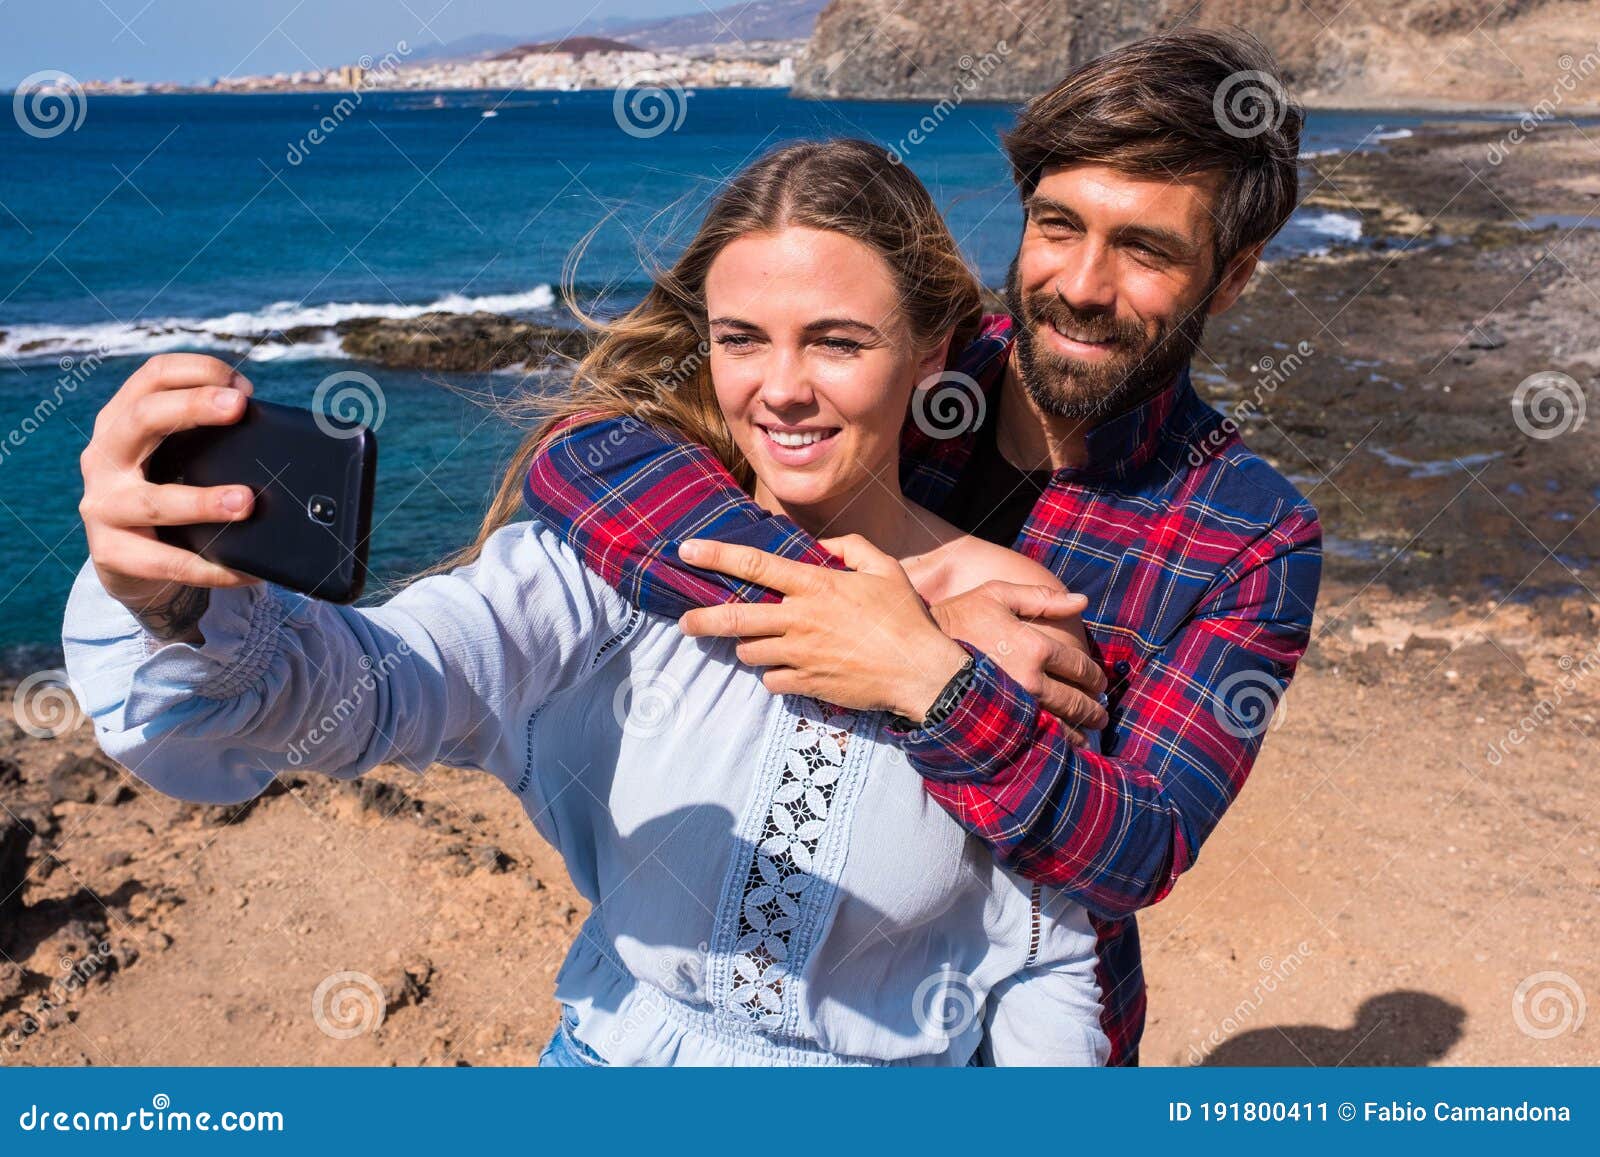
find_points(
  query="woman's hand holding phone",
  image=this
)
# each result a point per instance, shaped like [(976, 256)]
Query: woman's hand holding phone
[(164, 585)]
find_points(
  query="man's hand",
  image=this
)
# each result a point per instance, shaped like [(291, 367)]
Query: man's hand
[(1034, 635), (861, 638)]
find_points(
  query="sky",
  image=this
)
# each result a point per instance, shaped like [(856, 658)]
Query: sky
[(198, 40)]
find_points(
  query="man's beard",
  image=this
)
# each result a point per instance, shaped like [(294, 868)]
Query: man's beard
[(1139, 366)]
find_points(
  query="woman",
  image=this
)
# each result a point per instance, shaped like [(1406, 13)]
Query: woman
[(770, 883)]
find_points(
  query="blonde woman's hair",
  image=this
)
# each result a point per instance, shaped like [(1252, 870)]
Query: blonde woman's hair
[(652, 364)]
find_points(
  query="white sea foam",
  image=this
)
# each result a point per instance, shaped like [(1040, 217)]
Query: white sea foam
[(1336, 225), (243, 331), (1392, 135)]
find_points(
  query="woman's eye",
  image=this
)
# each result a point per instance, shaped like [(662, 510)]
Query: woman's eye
[(841, 345), (735, 341)]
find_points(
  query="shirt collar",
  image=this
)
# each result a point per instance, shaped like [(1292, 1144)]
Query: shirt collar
[(1128, 441)]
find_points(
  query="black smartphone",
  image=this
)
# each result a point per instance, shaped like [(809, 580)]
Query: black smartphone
[(312, 475)]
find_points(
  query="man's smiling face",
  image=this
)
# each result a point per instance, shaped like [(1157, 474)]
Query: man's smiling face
[(1112, 285)]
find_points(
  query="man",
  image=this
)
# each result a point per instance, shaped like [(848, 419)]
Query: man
[(1147, 207)]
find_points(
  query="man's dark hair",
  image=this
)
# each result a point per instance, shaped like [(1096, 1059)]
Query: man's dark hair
[(1174, 105)]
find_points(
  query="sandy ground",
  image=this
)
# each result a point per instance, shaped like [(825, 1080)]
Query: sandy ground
[(1410, 876)]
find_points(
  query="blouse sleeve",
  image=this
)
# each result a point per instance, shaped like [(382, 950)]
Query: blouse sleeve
[(283, 681)]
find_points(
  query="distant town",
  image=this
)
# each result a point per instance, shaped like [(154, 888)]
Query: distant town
[(566, 65)]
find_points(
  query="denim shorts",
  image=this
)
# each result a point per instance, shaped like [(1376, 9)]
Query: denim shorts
[(566, 1051)]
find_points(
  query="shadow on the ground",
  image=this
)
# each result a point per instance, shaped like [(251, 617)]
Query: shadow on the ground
[(1394, 1028)]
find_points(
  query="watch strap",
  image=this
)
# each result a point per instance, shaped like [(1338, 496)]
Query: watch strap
[(944, 704)]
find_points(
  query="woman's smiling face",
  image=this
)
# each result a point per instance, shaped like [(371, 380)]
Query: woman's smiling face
[(813, 363)]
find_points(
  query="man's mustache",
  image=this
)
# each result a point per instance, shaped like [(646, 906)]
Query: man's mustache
[(1084, 325)]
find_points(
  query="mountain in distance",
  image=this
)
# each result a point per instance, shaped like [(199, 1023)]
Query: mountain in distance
[(1398, 54), (576, 45), (729, 25), (757, 20)]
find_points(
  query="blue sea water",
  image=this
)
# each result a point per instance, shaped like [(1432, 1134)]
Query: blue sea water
[(180, 222)]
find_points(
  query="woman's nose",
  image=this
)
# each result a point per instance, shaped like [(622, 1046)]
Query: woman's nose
[(786, 382)]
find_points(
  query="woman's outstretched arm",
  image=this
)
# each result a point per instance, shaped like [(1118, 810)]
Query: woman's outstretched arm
[(446, 671), (206, 682)]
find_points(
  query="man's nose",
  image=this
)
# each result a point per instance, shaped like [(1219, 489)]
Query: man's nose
[(1088, 280)]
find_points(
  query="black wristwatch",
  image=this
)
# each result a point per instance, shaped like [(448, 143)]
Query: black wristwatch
[(944, 703)]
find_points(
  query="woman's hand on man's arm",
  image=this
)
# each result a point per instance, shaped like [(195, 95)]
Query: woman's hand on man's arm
[(863, 638), (1035, 635)]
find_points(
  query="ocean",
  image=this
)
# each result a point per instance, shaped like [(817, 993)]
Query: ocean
[(183, 222)]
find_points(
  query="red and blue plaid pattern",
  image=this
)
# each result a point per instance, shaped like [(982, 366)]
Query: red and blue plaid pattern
[(1201, 564)]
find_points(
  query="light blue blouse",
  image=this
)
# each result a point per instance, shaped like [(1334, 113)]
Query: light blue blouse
[(769, 882)]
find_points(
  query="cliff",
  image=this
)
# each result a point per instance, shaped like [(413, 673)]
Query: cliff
[(1433, 54)]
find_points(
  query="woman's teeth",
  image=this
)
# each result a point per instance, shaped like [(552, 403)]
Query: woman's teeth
[(793, 439)]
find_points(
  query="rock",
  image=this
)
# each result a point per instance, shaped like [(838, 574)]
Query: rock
[(13, 980), (384, 799), (1420, 644), (1490, 667), (408, 985), (456, 342), (979, 50), (491, 1036), (454, 859), (489, 858), (1371, 667), (85, 779), (15, 835), (1485, 336)]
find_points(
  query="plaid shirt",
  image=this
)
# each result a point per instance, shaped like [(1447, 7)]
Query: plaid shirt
[(1201, 564)]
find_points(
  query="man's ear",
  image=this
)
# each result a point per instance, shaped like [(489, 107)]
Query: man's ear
[(1235, 278)]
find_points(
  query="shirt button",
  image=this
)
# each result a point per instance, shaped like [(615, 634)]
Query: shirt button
[(1122, 667)]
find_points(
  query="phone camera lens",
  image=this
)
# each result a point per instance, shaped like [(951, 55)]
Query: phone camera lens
[(322, 509)]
